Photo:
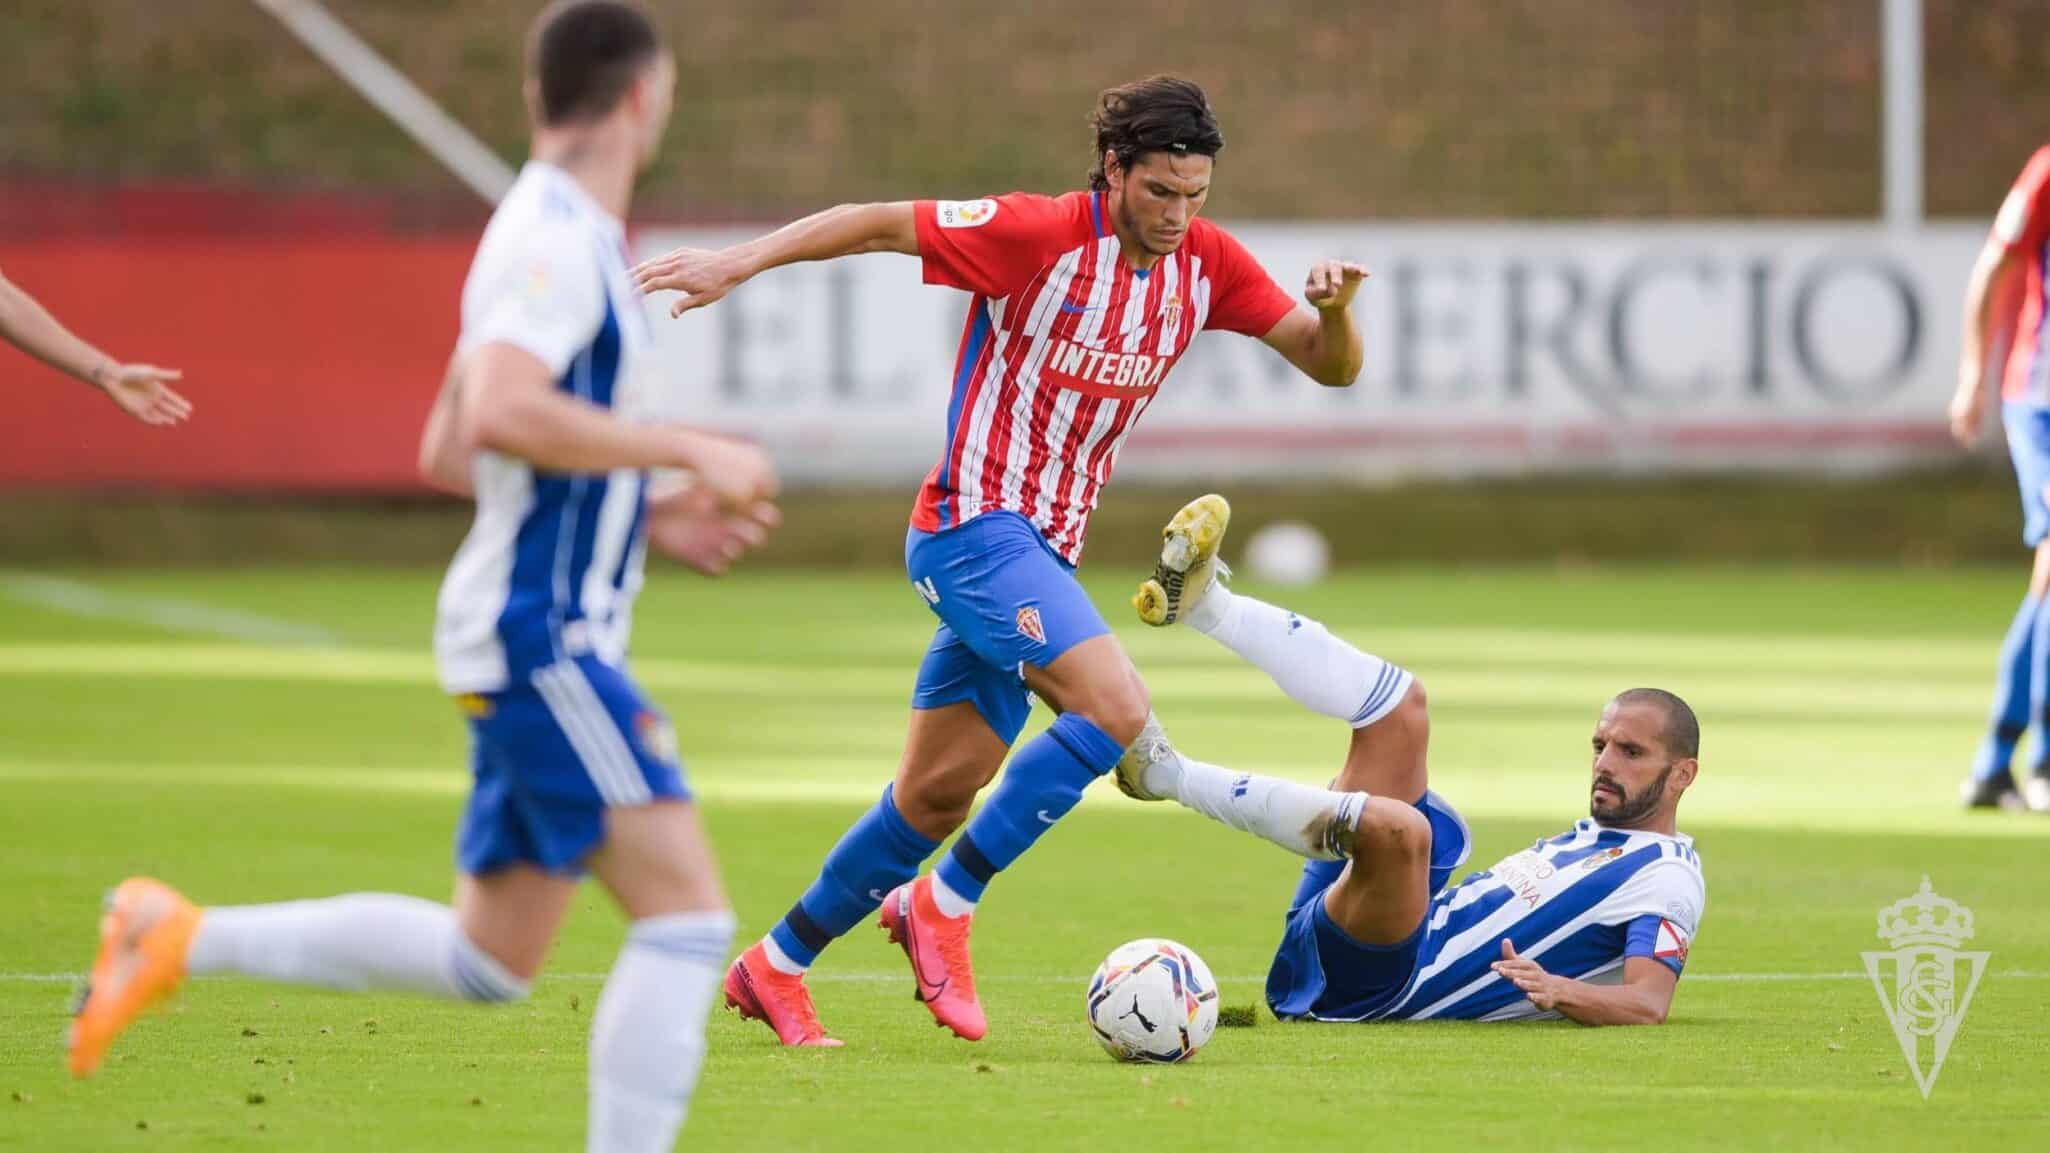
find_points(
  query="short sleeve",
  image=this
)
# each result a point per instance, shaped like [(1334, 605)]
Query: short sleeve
[(1660, 909), (992, 246), (1243, 299), (545, 296), (2024, 219)]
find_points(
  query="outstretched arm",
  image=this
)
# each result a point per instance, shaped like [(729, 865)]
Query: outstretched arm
[(1323, 341), (139, 389), (704, 276), (1642, 999)]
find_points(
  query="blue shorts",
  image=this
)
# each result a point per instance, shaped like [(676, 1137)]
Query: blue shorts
[(1005, 600), (1320, 971), (2028, 443), (550, 756)]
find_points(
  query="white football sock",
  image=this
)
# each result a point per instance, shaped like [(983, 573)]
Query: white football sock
[(1317, 670), (648, 1034), (951, 903), (1305, 820), (1207, 613), (1160, 767), (779, 960), (355, 942)]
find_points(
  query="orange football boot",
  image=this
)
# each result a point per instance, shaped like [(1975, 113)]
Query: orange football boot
[(762, 992), (144, 935), (937, 946)]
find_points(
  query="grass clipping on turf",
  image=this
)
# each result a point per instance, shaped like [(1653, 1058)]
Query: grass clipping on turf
[(1238, 1016)]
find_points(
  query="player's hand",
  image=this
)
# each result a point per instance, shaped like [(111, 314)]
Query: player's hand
[(1332, 284), (1541, 987), (701, 274), (736, 474), (142, 393), (689, 526), (1967, 414)]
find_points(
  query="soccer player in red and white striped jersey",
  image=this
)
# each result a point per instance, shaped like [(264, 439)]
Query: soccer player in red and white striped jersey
[(2007, 312), (1082, 305), (1069, 344)]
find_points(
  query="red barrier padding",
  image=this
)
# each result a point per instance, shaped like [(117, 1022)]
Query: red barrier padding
[(311, 362)]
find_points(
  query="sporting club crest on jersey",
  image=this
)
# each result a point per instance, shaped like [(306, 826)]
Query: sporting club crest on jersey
[(1171, 309), (1925, 984), (1602, 858), (1030, 625), (965, 213)]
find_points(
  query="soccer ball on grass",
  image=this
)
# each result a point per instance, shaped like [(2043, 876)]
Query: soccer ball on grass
[(1152, 1000)]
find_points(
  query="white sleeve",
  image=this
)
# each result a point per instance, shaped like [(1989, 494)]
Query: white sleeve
[(545, 295), (1671, 889)]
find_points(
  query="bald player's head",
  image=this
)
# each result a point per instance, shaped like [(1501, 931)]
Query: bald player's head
[(1682, 735), (1646, 751)]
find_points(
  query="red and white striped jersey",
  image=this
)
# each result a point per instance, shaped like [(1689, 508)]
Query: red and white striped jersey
[(2023, 228), (1065, 345)]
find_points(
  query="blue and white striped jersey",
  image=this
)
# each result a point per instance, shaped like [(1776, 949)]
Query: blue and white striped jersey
[(1578, 904), (552, 561)]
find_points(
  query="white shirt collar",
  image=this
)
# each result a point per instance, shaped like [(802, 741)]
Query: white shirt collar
[(561, 178), (1589, 824)]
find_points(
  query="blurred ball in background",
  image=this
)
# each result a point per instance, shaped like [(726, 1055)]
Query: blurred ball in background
[(1288, 553)]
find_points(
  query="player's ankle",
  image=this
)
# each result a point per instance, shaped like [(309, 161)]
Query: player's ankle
[(781, 961), (1210, 610), (1162, 776), (950, 903)]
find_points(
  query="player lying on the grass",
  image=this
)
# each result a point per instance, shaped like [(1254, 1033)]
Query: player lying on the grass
[(1592, 924), (1082, 304), (574, 769), (139, 389)]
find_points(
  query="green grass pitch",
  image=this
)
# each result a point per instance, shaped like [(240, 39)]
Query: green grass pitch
[(154, 723)]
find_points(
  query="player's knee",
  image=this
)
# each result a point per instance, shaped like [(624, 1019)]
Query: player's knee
[(935, 799), (1392, 831), (479, 976), (938, 816), (1413, 710), (1410, 714), (1121, 709)]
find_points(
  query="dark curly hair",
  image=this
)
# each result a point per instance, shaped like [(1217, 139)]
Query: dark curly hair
[(1157, 114)]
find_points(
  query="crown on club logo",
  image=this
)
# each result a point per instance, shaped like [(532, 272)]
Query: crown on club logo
[(1925, 919)]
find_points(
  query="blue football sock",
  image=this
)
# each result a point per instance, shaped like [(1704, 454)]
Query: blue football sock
[(1045, 780), (2016, 693), (2037, 661), (880, 852)]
